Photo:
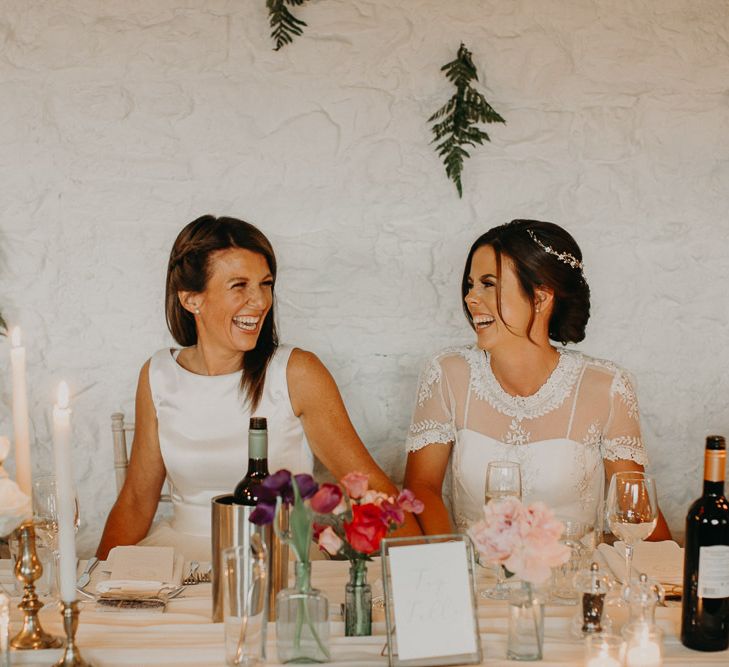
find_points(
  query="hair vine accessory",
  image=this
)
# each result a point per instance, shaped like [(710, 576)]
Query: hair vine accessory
[(565, 257)]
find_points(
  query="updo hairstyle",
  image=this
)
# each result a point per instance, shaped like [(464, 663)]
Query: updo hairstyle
[(535, 267)]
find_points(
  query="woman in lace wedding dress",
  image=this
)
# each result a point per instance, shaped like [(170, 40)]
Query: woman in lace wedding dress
[(569, 420), (193, 404)]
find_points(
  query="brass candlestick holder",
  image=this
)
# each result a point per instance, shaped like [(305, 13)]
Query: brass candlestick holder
[(28, 569), (71, 656)]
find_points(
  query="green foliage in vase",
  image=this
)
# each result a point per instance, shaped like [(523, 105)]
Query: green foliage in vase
[(456, 126), (285, 26)]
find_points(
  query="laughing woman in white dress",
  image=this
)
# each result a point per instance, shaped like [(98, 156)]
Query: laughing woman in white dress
[(570, 420), (194, 403)]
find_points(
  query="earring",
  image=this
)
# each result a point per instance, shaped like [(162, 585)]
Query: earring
[(197, 311)]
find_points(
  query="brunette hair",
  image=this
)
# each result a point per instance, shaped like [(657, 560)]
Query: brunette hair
[(536, 267), (189, 270)]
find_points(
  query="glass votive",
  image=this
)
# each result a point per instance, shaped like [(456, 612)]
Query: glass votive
[(643, 645), (604, 651)]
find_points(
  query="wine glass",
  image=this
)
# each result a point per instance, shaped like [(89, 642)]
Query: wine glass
[(45, 516), (503, 480), (632, 510)]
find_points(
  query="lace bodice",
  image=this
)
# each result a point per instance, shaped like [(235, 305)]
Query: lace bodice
[(585, 412)]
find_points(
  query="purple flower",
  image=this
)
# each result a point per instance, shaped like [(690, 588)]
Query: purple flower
[(263, 514), (307, 486), (326, 498)]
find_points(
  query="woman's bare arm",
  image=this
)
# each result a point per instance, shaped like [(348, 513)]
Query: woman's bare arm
[(316, 400), (134, 509), (424, 475)]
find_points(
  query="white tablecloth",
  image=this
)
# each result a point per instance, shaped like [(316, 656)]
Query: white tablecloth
[(185, 635)]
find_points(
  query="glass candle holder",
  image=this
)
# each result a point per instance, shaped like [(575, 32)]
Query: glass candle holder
[(643, 645), (604, 651)]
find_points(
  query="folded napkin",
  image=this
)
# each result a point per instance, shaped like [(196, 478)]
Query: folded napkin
[(141, 570), (661, 561)]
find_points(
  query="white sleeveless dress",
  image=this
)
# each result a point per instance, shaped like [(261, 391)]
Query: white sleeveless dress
[(585, 412), (203, 436)]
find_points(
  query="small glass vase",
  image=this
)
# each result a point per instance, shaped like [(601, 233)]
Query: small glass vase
[(302, 621), (526, 624), (358, 601)]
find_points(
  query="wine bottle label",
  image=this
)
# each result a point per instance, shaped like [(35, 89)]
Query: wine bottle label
[(714, 571)]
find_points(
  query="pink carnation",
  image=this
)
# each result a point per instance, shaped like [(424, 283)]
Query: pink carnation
[(355, 484), (374, 497)]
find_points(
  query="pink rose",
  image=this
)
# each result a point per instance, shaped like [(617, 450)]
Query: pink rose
[(355, 484), (329, 541)]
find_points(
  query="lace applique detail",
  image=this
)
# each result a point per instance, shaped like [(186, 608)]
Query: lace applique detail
[(624, 388), (428, 432), (431, 375), (627, 447), (549, 396), (516, 434), (593, 436)]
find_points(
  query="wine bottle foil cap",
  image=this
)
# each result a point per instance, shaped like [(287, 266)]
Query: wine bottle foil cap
[(715, 442), (258, 424)]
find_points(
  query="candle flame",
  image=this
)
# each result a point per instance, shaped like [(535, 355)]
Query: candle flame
[(63, 395), (15, 337)]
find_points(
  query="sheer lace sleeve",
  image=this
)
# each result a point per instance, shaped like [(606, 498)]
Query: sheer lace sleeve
[(622, 439), (433, 417)]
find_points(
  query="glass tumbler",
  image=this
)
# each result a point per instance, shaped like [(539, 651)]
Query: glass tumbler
[(245, 605)]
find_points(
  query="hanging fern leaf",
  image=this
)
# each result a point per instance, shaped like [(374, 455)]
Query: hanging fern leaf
[(284, 25), (457, 118)]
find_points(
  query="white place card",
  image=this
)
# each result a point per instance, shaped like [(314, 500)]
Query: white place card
[(432, 601), (142, 563)]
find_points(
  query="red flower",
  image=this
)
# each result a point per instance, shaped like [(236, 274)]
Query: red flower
[(367, 528)]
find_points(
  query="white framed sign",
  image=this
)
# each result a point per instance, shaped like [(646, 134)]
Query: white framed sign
[(430, 601)]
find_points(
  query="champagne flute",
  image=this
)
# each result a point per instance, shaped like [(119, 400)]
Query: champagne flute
[(632, 510), (503, 480)]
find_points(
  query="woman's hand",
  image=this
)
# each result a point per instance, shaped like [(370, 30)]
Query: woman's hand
[(134, 509), (316, 400)]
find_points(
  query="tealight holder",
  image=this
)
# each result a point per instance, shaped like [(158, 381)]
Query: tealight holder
[(28, 569), (643, 645), (602, 650), (642, 597), (71, 655), (592, 586)]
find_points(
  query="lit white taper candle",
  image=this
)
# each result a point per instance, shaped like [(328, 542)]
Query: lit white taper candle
[(65, 493), (4, 626), (20, 413)]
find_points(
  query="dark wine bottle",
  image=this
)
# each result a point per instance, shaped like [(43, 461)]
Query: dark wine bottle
[(246, 491), (705, 613)]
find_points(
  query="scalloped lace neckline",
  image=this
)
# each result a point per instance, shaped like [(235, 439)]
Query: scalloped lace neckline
[(548, 397)]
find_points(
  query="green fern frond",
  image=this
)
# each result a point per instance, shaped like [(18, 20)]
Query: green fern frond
[(459, 116), (285, 26)]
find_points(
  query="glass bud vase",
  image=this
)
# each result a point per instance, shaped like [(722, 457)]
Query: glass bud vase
[(526, 624), (302, 621), (358, 601)]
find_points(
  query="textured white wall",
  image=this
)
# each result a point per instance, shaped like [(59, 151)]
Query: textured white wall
[(120, 122)]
